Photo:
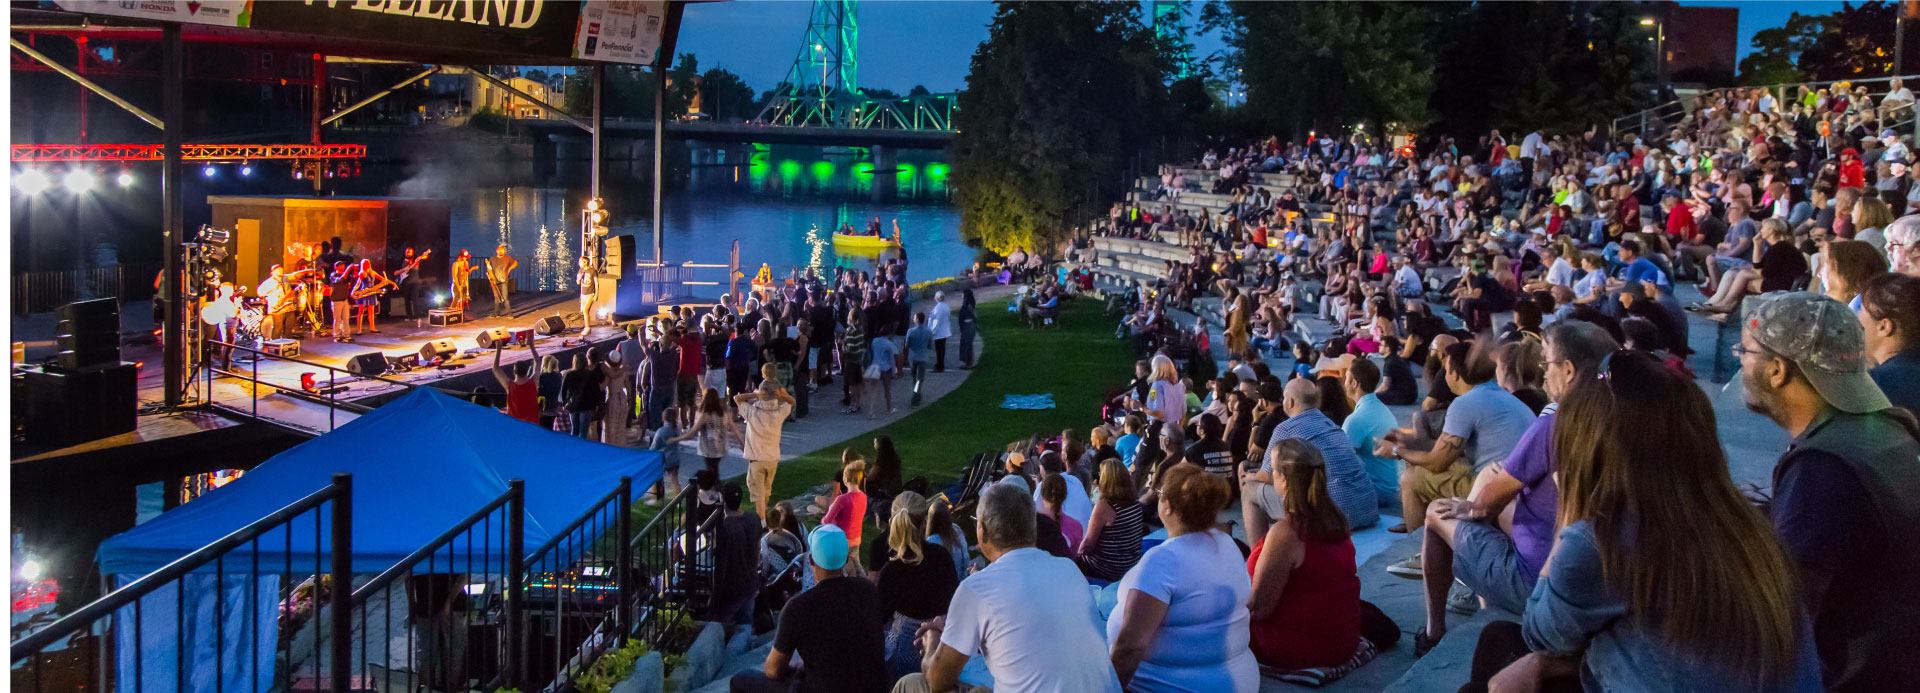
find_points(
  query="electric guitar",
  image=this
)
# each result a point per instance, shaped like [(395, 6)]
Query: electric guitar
[(411, 266)]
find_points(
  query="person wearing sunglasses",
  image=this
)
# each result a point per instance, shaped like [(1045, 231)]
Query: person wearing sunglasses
[(1663, 577), (1844, 489)]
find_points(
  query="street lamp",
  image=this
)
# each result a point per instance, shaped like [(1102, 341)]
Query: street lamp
[(1659, 48)]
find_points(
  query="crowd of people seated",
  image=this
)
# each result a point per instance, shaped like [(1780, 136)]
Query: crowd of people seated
[(1560, 467)]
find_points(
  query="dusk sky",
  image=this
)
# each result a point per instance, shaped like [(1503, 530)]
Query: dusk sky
[(930, 42)]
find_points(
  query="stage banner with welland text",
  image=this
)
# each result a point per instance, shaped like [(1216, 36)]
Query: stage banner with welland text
[(622, 31)]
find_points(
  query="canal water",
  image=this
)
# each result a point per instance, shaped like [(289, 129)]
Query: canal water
[(781, 205)]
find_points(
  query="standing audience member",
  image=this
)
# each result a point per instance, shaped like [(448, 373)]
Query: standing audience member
[(765, 411)]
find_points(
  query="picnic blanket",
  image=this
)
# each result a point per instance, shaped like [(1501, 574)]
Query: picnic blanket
[(1042, 401)]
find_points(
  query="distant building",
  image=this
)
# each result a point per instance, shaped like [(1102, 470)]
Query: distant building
[(1702, 43), (460, 96)]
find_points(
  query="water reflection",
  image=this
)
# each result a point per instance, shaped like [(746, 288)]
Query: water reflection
[(781, 205)]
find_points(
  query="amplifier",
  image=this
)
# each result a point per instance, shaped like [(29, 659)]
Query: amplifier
[(442, 317), (284, 348)]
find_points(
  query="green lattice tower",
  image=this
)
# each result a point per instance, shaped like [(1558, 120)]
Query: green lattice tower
[(1170, 26), (822, 87)]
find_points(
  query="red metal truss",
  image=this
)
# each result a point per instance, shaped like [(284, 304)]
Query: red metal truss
[(37, 153)]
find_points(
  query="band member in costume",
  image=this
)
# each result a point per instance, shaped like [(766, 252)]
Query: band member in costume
[(220, 314), (462, 278), (367, 288), (340, 296), (281, 292), (586, 279), (499, 272)]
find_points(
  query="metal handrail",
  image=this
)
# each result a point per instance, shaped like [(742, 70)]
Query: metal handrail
[(340, 491), (539, 554), (1650, 112), (515, 489), (332, 403)]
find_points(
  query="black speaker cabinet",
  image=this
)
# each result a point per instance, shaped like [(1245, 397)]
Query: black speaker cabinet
[(73, 407), (88, 334), (371, 363), (438, 349), (550, 325)]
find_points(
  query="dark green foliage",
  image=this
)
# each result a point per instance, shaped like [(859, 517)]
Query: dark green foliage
[(1060, 97), (1852, 42)]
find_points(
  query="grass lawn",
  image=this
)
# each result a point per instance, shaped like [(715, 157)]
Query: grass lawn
[(1078, 361)]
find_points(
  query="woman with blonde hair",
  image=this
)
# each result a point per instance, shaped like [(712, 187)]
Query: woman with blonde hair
[(1167, 396), (915, 585), (1871, 217), (849, 509), (1112, 544)]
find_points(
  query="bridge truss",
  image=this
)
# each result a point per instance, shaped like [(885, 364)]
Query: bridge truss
[(822, 88)]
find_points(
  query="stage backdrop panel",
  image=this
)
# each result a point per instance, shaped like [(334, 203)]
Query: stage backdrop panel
[(269, 229)]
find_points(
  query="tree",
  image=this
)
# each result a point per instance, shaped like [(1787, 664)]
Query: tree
[(1853, 42), (1045, 134), (1324, 65), (727, 95)]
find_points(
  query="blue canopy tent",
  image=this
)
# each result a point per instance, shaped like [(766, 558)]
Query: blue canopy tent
[(420, 465)]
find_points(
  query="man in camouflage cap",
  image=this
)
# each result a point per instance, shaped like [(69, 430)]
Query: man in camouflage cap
[(1846, 489)]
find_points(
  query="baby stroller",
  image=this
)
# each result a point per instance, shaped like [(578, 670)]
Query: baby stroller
[(785, 573)]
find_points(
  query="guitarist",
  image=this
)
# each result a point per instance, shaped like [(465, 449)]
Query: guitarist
[(282, 300), (367, 289), (411, 289)]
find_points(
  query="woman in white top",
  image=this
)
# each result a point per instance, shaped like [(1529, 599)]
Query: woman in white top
[(1182, 622), (1167, 397)]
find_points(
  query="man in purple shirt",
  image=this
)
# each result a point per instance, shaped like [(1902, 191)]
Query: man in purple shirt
[(1465, 538)]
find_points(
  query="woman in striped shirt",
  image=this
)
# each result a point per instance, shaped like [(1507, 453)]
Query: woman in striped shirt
[(1119, 522)]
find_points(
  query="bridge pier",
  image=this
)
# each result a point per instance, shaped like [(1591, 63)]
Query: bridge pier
[(885, 181)]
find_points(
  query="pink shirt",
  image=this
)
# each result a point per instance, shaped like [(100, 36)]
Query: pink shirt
[(848, 512)]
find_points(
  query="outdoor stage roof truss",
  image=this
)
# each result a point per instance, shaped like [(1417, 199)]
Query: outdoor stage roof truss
[(48, 153)]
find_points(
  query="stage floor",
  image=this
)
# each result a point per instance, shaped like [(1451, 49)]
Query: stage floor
[(310, 413)]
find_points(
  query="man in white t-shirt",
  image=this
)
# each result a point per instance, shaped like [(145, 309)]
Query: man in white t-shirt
[(1029, 614), (1559, 270), (1406, 279), (765, 412)]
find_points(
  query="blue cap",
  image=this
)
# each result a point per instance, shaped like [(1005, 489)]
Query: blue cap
[(829, 547)]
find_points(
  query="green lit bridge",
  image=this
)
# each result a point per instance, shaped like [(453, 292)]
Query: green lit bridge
[(745, 133)]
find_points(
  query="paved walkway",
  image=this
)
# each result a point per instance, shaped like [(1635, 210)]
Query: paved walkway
[(825, 425)]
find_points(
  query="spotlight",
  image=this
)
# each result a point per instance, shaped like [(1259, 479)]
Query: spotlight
[(125, 179), (31, 181), (208, 172), (476, 589), (30, 570), (246, 170), (78, 180), (439, 299)]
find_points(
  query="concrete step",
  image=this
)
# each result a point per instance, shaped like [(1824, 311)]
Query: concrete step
[(1159, 250), (1139, 264)]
